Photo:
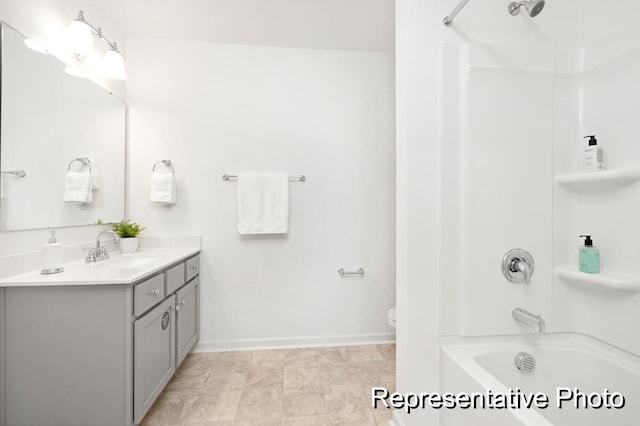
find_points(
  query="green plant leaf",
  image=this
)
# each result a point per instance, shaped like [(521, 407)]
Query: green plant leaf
[(127, 229)]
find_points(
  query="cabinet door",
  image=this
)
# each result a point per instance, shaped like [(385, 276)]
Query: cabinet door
[(154, 356), (187, 300)]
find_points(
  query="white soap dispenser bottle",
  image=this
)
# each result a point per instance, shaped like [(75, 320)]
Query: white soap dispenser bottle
[(52, 256), (592, 155)]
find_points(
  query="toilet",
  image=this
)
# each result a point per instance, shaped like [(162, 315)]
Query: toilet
[(391, 317)]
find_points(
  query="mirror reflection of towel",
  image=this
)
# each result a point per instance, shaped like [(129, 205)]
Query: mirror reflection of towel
[(78, 187), (263, 203)]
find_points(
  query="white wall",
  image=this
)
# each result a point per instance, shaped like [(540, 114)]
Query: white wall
[(44, 19), (222, 108)]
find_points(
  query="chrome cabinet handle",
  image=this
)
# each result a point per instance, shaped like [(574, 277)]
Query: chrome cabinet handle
[(155, 292), (196, 267), (177, 307), (182, 303)]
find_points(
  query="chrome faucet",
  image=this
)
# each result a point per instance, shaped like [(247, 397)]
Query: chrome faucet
[(99, 252), (528, 318)]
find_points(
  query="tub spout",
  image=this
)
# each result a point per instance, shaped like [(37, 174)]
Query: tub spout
[(528, 318)]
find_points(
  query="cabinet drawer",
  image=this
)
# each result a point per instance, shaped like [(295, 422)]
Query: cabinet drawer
[(148, 294), (174, 278), (193, 267)]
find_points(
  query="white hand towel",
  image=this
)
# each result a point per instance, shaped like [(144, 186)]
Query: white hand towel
[(163, 188), (263, 203), (78, 187)]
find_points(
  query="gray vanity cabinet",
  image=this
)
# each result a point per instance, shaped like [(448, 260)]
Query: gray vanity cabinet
[(96, 354), (187, 319), (154, 355)]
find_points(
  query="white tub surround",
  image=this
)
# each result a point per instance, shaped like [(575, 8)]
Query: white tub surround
[(566, 365)]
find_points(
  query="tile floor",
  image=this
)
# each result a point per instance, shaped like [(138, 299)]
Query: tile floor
[(289, 387)]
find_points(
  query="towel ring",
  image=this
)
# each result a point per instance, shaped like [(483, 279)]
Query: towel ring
[(83, 160), (167, 163)]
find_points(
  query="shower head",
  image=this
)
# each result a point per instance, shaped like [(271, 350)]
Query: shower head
[(534, 7)]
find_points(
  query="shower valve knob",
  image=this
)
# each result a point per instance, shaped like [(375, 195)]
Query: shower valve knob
[(518, 266)]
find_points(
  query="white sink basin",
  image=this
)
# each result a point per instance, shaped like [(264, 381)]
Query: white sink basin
[(132, 262)]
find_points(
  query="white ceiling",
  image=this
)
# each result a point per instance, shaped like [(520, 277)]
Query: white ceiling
[(324, 24)]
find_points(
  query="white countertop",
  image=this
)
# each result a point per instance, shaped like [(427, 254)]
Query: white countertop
[(119, 269)]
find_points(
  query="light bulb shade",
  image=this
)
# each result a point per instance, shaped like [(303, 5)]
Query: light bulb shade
[(37, 46), (75, 71), (79, 38), (113, 63)]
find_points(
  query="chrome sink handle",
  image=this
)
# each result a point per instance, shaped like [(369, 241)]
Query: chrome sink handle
[(518, 266)]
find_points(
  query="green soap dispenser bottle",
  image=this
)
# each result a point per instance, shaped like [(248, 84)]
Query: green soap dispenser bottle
[(589, 256)]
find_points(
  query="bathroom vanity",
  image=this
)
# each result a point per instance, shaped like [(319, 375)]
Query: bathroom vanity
[(96, 344)]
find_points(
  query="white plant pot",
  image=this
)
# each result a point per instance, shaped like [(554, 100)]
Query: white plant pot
[(129, 245)]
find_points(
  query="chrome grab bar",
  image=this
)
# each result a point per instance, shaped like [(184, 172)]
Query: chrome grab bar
[(342, 272), (17, 173)]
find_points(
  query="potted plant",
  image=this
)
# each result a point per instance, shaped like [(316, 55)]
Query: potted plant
[(128, 232)]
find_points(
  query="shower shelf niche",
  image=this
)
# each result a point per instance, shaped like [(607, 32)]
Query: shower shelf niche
[(607, 179), (606, 279)]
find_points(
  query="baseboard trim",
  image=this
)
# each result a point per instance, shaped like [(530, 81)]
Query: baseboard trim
[(293, 342)]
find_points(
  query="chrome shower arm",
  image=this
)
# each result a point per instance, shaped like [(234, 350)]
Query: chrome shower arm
[(449, 18)]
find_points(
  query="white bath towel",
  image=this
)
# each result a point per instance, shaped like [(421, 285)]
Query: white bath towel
[(263, 203), (163, 188), (78, 187)]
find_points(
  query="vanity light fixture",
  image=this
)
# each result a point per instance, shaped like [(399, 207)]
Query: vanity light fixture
[(79, 39)]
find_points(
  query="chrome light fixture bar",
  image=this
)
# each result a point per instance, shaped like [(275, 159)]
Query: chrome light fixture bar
[(79, 38)]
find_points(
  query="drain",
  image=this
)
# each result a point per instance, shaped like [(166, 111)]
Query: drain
[(525, 362)]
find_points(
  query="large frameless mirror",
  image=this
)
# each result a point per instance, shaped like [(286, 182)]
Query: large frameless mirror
[(62, 143)]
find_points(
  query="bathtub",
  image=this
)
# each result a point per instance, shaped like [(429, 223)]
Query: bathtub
[(563, 360)]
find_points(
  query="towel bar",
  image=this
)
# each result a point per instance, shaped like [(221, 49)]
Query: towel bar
[(167, 163), (342, 272), (301, 178), (17, 173), (83, 160)]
